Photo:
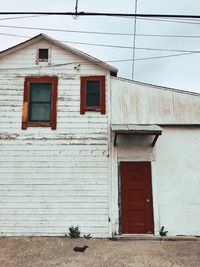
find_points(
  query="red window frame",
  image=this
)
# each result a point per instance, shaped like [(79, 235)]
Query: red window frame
[(102, 107), (40, 79)]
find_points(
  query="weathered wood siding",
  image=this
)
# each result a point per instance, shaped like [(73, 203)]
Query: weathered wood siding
[(52, 179)]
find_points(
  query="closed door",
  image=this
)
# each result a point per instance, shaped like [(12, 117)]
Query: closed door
[(136, 198)]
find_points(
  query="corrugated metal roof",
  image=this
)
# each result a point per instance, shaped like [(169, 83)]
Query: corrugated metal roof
[(137, 103), (136, 128), (159, 87)]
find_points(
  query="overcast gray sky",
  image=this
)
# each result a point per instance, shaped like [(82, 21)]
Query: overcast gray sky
[(180, 72)]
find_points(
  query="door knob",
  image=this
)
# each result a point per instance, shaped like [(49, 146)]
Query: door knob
[(147, 200)]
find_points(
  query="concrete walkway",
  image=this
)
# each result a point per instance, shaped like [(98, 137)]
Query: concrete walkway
[(52, 251)]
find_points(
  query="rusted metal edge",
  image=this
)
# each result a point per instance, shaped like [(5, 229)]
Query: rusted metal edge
[(140, 132)]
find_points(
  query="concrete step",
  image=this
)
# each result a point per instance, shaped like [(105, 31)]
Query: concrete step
[(154, 238), (136, 237)]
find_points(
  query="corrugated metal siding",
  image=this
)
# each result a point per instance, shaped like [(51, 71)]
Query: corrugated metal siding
[(137, 103), (50, 180), (135, 127)]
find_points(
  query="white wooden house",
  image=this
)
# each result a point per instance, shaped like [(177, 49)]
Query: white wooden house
[(79, 146)]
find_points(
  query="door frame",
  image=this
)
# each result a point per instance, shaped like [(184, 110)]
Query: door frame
[(153, 191)]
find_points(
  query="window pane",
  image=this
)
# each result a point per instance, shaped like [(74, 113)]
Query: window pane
[(92, 93), (43, 54), (40, 92), (40, 112)]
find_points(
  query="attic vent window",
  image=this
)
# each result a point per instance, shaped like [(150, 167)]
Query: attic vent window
[(43, 54)]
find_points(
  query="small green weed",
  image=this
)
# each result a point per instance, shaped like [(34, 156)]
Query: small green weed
[(162, 232), (74, 232)]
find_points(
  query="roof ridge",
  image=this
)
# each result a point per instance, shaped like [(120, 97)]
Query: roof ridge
[(159, 86), (40, 36)]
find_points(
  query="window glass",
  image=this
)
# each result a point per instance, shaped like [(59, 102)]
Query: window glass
[(92, 93), (40, 102), (40, 112), (40, 92), (43, 54)]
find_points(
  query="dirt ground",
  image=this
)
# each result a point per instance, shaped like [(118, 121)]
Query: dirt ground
[(55, 251)]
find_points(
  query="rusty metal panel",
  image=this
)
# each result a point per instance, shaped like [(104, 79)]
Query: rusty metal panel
[(139, 103), (133, 127)]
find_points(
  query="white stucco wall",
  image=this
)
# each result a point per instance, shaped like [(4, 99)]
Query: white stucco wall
[(175, 177), (178, 179)]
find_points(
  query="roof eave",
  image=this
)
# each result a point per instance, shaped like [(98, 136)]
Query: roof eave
[(42, 36)]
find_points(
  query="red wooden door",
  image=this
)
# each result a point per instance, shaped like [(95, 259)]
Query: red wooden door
[(136, 198)]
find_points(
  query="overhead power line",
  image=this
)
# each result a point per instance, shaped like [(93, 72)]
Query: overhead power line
[(61, 30), (167, 56), (97, 32), (21, 17), (107, 61), (114, 46), (76, 7), (185, 21), (134, 41), (174, 21), (156, 57), (167, 35), (76, 10), (15, 35), (182, 16)]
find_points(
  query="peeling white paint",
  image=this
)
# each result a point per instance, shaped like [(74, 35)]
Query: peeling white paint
[(44, 171)]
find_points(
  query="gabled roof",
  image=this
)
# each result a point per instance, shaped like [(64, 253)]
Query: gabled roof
[(77, 52)]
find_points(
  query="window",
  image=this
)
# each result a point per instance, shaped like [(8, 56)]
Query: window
[(43, 54), (93, 94), (40, 97)]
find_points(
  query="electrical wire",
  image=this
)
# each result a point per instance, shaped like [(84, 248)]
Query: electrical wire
[(167, 35), (180, 16), (177, 20), (61, 30), (107, 61), (11, 18), (166, 19), (100, 33), (15, 35), (22, 17), (167, 56), (174, 21), (186, 21), (114, 46), (76, 7), (76, 11), (149, 58), (134, 41)]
